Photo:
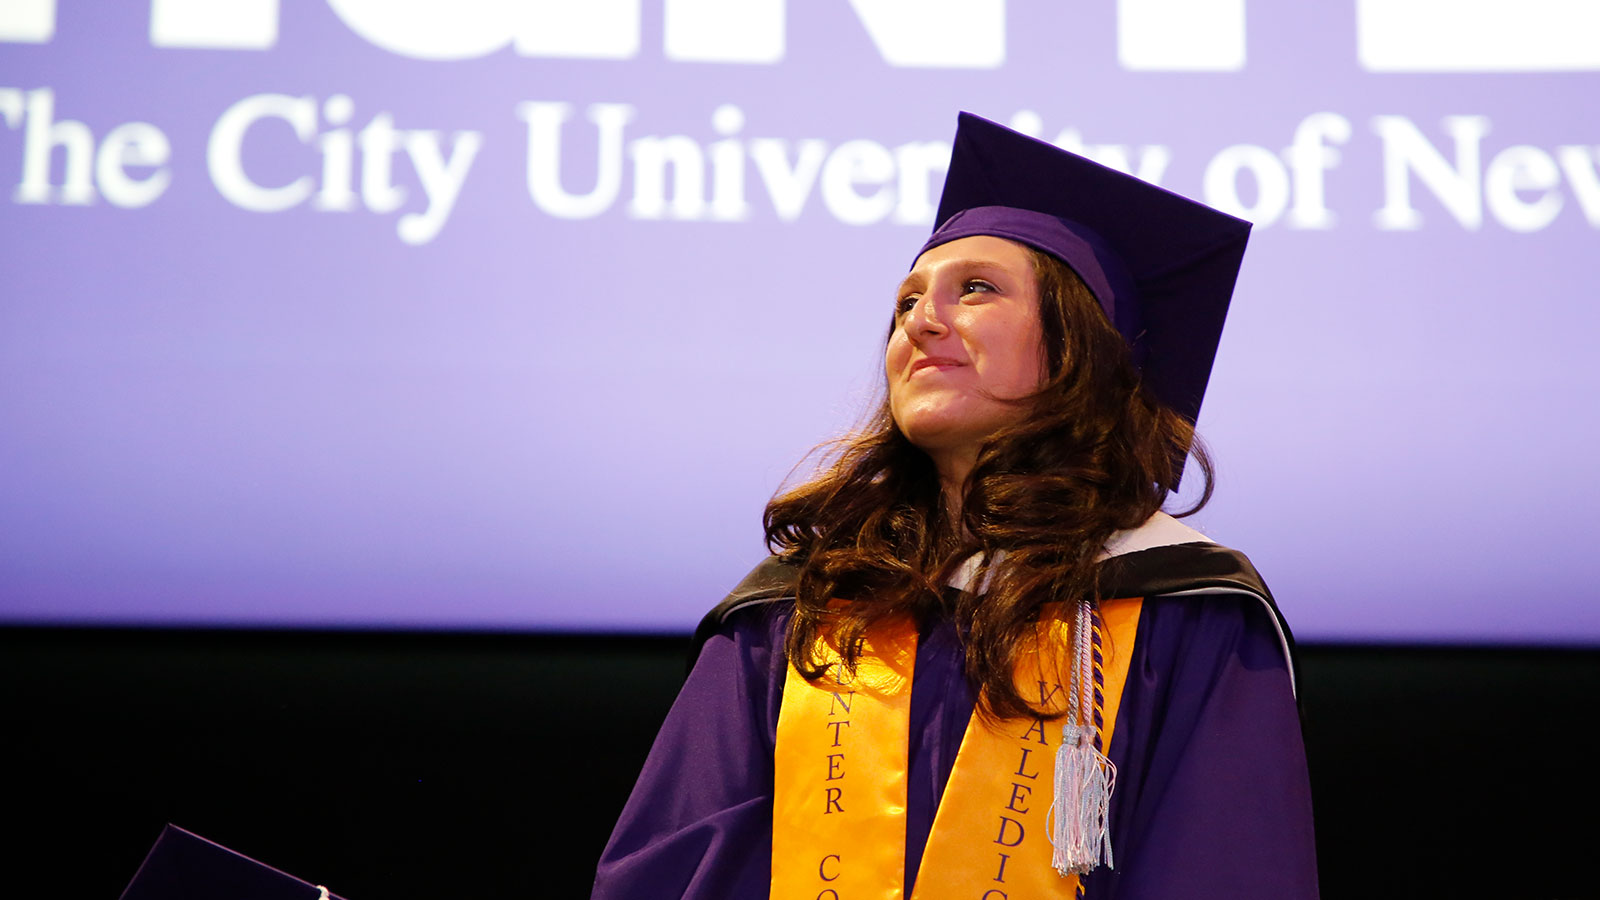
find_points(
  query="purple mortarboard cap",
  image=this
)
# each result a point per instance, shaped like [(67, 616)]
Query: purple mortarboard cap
[(1162, 266)]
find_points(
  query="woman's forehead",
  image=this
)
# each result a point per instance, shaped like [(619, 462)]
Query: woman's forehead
[(976, 252)]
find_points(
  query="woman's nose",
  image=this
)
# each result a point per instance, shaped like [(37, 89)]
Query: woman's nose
[(924, 318)]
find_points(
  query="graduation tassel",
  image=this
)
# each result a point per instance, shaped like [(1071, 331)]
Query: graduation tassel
[(1084, 777), (1084, 781)]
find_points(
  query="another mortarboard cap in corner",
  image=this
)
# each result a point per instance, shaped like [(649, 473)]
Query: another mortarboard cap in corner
[(1162, 266), (183, 865)]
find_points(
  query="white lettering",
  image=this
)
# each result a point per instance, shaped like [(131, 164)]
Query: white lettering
[(1153, 161), (379, 142), (1406, 150), (852, 163), (1478, 35), (788, 186), (1579, 164), (214, 24), (727, 166), (729, 31), (544, 157), (41, 136), (907, 33), (1153, 158), (430, 29), (1152, 35), (11, 108), (1027, 122), (467, 29), (1517, 169), (338, 157), (592, 29), (28, 21), (947, 34), (441, 180), (132, 144), (1221, 183), (917, 164), (441, 177), (1310, 157), (1181, 35), (651, 157), (224, 151)]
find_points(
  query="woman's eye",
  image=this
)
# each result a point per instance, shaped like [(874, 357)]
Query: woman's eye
[(977, 286), (904, 304)]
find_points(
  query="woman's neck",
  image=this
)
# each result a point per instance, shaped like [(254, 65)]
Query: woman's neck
[(954, 467)]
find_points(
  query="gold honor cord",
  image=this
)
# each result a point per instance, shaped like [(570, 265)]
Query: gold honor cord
[(840, 792)]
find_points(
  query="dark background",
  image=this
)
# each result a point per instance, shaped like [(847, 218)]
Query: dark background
[(409, 765)]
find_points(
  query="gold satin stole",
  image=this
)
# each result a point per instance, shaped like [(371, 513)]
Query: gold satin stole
[(839, 803)]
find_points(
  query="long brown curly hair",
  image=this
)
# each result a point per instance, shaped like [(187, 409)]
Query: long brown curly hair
[(1096, 453)]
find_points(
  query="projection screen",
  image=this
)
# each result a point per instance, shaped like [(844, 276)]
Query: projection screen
[(512, 315)]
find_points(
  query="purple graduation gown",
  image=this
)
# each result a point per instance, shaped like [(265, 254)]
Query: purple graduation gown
[(1212, 796)]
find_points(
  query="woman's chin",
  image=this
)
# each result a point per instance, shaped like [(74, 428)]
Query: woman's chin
[(948, 431)]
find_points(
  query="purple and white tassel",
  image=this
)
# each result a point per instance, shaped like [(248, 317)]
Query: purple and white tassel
[(1084, 777)]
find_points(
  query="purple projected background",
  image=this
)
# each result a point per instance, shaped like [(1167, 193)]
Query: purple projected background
[(504, 316)]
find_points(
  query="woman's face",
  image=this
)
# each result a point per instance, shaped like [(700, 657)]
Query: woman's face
[(966, 339)]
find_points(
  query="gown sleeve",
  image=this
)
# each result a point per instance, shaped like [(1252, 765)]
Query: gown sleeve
[(698, 823), (1213, 798)]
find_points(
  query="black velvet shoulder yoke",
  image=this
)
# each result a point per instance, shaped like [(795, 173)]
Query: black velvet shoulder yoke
[(1173, 570)]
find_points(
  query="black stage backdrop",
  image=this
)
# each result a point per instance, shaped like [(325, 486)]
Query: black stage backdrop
[(392, 766)]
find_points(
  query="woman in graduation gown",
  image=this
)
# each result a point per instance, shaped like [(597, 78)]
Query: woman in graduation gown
[(983, 662)]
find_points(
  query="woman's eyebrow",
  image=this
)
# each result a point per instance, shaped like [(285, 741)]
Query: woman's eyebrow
[(980, 263), (962, 267), (916, 280)]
